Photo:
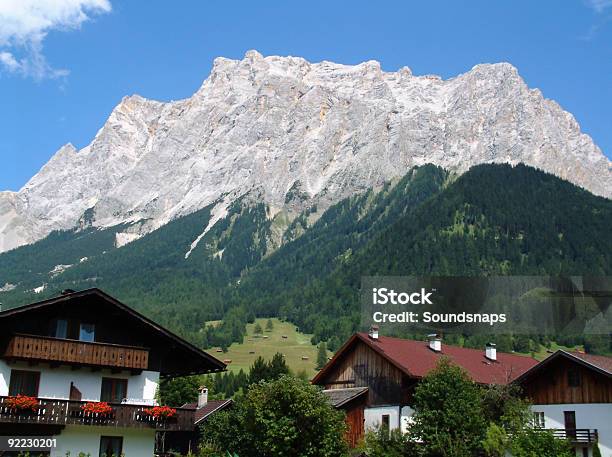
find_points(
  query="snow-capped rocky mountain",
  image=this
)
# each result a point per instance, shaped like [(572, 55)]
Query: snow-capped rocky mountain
[(294, 133)]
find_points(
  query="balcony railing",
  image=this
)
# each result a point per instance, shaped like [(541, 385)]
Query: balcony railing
[(66, 412), (577, 435), (48, 349)]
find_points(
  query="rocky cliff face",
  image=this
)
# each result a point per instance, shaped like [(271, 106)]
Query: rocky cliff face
[(293, 134)]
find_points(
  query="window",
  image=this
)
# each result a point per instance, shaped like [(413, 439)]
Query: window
[(111, 446), (24, 383), (538, 419), (113, 390), (87, 332), (59, 328), (385, 422), (573, 377)]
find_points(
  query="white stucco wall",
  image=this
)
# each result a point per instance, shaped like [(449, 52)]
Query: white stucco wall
[(594, 416), (55, 382), (86, 439), (397, 419), (373, 416), (5, 376)]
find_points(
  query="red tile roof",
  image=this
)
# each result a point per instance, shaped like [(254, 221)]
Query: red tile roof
[(211, 407), (599, 361), (416, 359)]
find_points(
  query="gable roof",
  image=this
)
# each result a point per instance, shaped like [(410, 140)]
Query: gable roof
[(202, 362), (416, 359), (598, 363), (340, 397), (211, 407)]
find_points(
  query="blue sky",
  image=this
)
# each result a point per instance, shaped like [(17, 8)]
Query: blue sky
[(63, 69)]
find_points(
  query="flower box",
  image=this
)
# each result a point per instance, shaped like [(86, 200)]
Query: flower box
[(95, 410), (22, 404), (160, 412)]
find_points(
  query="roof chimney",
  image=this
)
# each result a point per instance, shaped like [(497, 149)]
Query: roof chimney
[(373, 333), (435, 342), (491, 351), (202, 397)]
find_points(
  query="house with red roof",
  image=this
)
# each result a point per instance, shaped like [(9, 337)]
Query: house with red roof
[(571, 393), (391, 368)]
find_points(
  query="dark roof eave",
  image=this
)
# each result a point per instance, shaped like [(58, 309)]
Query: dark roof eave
[(217, 364), (221, 406), (359, 391), (560, 353)]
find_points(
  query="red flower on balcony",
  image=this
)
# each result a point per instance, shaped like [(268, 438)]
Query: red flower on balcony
[(97, 407), (160, 412), (22, 403)]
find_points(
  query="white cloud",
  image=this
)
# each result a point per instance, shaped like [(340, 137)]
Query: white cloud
[(24, 24), (599, 5), (8, 60)]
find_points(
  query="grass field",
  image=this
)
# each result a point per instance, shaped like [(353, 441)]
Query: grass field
[(543, 352), (294, 347)]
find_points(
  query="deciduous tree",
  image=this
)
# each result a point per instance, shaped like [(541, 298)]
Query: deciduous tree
[(283, 417)]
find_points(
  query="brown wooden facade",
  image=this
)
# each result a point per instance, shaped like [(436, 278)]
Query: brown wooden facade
[(355, 423), (566, 381), (364, 367), (44, 348)]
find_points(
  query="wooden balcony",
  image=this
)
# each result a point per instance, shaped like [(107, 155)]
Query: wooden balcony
[(66, 412), (577, 435), (73, 352)]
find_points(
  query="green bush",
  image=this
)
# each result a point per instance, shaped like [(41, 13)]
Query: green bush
[(283, 417), (532, 442), (449, 419), (596, 451), (496, 441), (382, 443)]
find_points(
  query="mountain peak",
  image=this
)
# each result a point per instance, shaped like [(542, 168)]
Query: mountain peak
[(253, 54), (267, 123), (498, 67)]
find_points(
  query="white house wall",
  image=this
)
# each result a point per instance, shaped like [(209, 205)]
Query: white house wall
[(5, 376), (55, 382), (75, 439), (373, 417), (592, 415)]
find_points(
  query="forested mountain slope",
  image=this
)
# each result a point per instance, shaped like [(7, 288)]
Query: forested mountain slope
[(493, 219)]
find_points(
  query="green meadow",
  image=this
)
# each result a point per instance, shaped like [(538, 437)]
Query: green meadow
[(300, 354)]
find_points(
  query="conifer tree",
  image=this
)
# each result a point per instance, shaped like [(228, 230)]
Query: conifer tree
[(321, 355)]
